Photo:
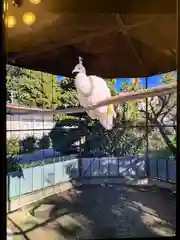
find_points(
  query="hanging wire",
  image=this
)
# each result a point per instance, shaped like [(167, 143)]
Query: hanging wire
[(54, 155), (147, 135), (5, 37), (42, 130)]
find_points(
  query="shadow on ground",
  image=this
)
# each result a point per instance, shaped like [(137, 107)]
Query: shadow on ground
[(109, 211)]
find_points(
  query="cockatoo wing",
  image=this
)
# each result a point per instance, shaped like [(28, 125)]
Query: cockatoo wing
[(100, 92), (85, 103)]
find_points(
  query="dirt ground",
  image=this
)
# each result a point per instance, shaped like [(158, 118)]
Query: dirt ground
[(91, 212)]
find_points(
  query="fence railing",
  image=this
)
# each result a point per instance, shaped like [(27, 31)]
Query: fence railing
[(39, 177), (163, 169)]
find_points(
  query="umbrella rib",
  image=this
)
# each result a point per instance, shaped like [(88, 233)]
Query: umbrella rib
[(123, 29), (138, 24), (87, 36)]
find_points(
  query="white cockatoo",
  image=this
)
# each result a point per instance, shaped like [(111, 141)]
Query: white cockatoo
[(91, 90)]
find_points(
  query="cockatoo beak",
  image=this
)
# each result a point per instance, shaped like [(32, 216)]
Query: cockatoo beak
[(76, 70)]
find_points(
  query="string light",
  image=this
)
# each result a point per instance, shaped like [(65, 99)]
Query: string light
[(10, 21), (29, 18), (35, 1), (5, 6), (5, 9)]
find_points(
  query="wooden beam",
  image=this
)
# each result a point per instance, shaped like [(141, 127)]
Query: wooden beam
[(119, 99)]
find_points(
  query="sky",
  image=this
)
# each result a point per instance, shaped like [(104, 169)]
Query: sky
[(152, 81)]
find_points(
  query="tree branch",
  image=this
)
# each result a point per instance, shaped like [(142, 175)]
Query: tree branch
[(167, 112), (162, 106)]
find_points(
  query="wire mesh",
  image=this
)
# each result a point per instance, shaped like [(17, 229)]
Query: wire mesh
[(44, 151)]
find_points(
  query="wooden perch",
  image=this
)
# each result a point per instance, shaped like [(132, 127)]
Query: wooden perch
[(121, 98)]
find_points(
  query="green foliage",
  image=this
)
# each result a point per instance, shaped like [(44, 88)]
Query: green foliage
[(66, 133), (131, 110), (95, 139), (62, 116), (33, 88), (174, 139), (13, 146), (12, 81), (156, 113), (29, 144), (156, 141), (41, 162), (110, 83), (39, 89), (168, 77), (120, 141), (163, 154), (166, 108), (68, 95), (13, 165), (44, 142)]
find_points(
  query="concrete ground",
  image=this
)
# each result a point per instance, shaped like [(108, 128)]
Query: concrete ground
[(98, 212)]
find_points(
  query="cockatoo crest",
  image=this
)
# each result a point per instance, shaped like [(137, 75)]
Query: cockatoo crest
[(79, 68)]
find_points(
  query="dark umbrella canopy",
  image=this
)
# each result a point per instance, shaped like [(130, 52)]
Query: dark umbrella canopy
[(111, 44)]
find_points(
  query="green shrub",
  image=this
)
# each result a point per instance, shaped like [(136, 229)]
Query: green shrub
[(164, 154), (29, 144), (44, 142), (13, 165), (13, 146)]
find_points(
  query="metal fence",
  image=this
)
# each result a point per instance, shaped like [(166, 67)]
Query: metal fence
[(37, 178), (44, 166)]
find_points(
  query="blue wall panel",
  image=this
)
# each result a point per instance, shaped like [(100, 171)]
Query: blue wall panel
[(48, 175), (59, 173), (172, 170), (26, 182), (36, 178)]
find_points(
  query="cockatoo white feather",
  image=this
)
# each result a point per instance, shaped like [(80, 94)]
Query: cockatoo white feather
[(91, 90)]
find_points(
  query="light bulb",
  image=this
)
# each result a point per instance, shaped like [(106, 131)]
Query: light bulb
[(5, 6), (35, 1), (10, 21), (29, 18)]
